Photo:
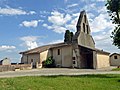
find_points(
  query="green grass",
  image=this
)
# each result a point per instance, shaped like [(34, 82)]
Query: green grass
[(84, 82), (116, 69)]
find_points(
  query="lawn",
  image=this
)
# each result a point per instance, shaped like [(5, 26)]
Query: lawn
[(84, 82), (116, 69)]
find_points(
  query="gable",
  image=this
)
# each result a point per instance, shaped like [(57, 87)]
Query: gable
[(114, 54), (83, 24)]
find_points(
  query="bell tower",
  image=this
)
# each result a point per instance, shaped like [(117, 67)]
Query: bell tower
[(83, 34)]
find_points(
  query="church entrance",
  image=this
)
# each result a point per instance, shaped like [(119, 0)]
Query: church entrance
[(86, 58)]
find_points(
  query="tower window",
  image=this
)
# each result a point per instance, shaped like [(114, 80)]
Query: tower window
[(87, 29), (83, 27), (85, 18), (58, 51)]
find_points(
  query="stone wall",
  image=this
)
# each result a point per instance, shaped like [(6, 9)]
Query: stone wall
[(14, 67), (64, 59), (102, 60)]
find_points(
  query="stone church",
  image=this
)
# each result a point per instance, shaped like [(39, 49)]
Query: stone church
[(80, 54)]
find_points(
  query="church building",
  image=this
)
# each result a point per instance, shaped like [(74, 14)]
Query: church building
[(81, 53)]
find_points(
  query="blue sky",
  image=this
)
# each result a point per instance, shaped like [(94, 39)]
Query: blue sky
[(26, 24)]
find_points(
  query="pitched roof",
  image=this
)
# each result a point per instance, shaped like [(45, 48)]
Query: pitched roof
[(102, 52), (43, 48), (80, 17), (114, 54)]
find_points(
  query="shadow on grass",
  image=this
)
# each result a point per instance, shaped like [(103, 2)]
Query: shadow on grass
[(85, 76), (118, 80)]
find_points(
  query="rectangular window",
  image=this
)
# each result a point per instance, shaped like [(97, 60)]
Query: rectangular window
[(115, 57), (58, 51)]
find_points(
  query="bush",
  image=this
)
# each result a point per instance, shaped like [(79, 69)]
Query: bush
[(49, 62)]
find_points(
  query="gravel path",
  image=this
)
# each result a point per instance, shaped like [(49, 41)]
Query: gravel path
[(56, 71)]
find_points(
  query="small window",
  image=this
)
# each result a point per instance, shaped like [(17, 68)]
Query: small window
[(58, 51), (83, 27), (73, 58), (73, 62), (115, 57)]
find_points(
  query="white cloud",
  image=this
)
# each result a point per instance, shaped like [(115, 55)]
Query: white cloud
[(65, 1), (33, 23), (102, 36), (104, 42), (58, 18), (72, 5), (100, 0), (14, 11), (55, 41), (89, 7), (48, 27), (72, 24), (93, 0), (55, 28), (90, 15), (100, 23), (58, 21), (5, 47), (32, 12), (44, 12), (30, 41)]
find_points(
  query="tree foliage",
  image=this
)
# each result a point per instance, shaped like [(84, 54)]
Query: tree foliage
[(116, 36), (68, 36), (113, 7)]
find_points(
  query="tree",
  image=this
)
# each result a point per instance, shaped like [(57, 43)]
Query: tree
[(68, 36), (116, 37), (113, 7), (71, 34)]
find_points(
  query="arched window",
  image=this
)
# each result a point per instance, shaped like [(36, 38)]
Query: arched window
[(85, 18), (83, 27), (87, 29)]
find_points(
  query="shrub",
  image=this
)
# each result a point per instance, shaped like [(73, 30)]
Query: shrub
[(49, 62)]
